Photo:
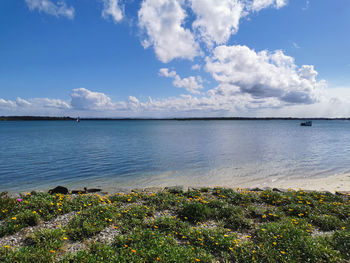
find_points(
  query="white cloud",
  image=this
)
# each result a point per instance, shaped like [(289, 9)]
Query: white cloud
[(257, 5), (217, 20), (133, 103), (334, 104), (191, 84), (196, 67), (49, 103), (224, 100), (164, 72), (47, 6), (166, 28), (163, 22), (7, 104), (34, 106), (22, 103), (84, 99), (111, 9), (34, 103), (264, 74)]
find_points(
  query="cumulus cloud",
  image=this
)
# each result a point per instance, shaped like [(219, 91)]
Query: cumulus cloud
[(214, 22), (112, 9), (191, 84), (133, 103), (164, 72), (224, 100), (33, 105), (22, 103), (7, 103), (196, 67), (163, 21), (84, 99), (49, 103), (264, 74), (217, 20), (257, 5), (48, 7)]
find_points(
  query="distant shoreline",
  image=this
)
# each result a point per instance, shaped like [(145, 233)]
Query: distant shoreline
[(48, 118)]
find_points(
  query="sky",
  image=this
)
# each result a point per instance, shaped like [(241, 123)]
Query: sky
[(175, 58)]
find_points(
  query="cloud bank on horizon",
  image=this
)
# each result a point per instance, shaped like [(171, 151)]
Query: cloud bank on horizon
[(247, 82)]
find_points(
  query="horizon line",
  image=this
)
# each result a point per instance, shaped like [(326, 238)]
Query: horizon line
[(66, 118)]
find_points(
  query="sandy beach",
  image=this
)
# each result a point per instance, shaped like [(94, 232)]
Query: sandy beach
[(335, 183), (331, 183)]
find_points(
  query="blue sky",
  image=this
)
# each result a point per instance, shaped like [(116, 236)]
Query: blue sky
[(161, 58)]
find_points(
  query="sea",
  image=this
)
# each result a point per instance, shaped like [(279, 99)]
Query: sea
[(37, 155)]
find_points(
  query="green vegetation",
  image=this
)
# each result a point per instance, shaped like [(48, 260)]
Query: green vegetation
[(199, 225)]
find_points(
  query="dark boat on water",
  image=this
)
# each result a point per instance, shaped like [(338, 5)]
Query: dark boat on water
[(307, 123)]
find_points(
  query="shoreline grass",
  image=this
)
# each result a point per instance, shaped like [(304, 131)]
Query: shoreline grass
[(197, 225)]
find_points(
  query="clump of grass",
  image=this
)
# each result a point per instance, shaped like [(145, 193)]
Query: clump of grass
[(326, 222), (90, 222), (273, 198), (164, 200), (46, 238), (132, 197), (234, 197), (170, 225), (296, 210), (233, 217), (141, 246), (30, 209), (263, 214), (195, 212), (6, 204), (41, 246), (289, 242), (341, 241), (193, 193), (19, 221)]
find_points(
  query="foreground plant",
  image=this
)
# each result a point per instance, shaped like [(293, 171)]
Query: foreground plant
[(199, 225)]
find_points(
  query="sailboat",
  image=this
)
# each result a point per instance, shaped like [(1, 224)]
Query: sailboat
[(78, 119)]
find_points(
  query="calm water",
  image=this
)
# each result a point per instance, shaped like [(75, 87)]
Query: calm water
[(42, 154)]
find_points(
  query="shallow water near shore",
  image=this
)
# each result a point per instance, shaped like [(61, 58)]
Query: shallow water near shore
[(43, 154)]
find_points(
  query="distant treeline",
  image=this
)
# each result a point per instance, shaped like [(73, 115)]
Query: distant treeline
[(34, 118), (46, 118)]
